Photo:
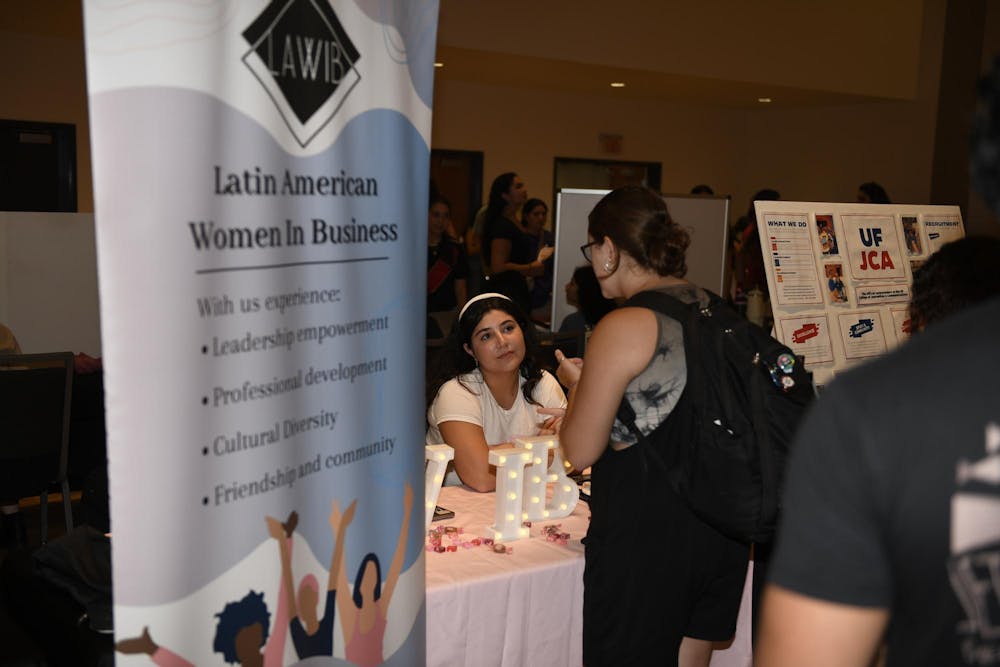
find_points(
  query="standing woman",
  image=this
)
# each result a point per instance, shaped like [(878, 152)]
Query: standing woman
[(489, 389), (534, 213), (447, 266), (659, 584), (507, 272)]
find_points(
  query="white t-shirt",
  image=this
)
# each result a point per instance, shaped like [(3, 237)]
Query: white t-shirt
[(476, 405)]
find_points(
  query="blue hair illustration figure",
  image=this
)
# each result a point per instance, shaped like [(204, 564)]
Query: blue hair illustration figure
[(369, 558), (243, 626)]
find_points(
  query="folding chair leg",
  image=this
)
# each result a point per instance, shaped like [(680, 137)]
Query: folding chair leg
[(67, 505), (44, 507)]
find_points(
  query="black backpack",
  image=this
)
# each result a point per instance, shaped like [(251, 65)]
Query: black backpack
[(724, 446)]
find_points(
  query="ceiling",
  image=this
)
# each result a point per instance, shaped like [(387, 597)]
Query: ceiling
[(719, 53), (546, 73)]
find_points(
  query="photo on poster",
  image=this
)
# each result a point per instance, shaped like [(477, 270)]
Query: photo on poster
[(862, 335), (808, 336), (911, 234), (871, 295), (942, 229), (827, 235), (835, 290), (789, 248), (873, 246), (901, 322), (916, 264)]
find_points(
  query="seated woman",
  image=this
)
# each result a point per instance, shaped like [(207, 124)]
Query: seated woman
[(488, 389)]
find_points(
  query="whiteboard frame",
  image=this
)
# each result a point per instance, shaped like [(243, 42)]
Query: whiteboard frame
[(706, 257)]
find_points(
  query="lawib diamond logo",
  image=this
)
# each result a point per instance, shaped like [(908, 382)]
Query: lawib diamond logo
[(301, 55)]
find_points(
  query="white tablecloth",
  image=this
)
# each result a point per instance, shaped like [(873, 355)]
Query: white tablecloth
[(523, 608)]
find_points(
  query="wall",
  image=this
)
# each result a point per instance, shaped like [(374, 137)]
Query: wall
[(812, 154), (809, 153), (44, 77), (523, 130), (849, 46)]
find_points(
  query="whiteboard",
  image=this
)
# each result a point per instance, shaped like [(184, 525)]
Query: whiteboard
[(705, 218)]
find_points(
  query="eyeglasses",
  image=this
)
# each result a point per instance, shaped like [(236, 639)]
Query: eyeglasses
[(586, 249)]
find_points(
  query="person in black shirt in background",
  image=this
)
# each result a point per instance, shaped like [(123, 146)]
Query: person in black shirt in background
[(447, 269)]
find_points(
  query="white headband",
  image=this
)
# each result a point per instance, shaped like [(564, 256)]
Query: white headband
[(485, 295)]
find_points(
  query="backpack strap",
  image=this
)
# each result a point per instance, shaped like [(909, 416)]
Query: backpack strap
[(758, 416)]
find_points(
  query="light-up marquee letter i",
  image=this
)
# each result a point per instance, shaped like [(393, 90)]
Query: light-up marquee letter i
[(507, 519), (436, 459)]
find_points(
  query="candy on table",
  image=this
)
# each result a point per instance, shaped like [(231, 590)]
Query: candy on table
[(554, 534), (447, 539)]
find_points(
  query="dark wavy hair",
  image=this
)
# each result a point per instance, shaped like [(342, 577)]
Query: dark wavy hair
[(234, 617), (959, 275), (369, 558), (637, 220), (494, 210), (500, 186), (454, 361)]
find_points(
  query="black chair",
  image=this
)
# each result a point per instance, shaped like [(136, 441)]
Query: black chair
[(35, 395)]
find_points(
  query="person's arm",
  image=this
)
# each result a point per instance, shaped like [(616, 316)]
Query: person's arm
[(500, 250), (471, 454), (473, 242), (338, 524), (552, 401), (619, 349), (397, 559), (274, 650), (276, 530), (144, 643), (346, 608), (800, 630)]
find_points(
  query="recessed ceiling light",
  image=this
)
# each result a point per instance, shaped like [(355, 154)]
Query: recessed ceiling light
[(617, 84), (764, 100), (438, 64)]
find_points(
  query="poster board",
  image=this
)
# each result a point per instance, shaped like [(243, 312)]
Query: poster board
[(839, 275), (705, 218)]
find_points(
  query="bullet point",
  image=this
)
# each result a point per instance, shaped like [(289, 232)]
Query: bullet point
[(204, 349), (204, 501), (204, 400), (204, 451)]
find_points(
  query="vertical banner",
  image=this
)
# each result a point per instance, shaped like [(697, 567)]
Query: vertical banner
[(261, 175)]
